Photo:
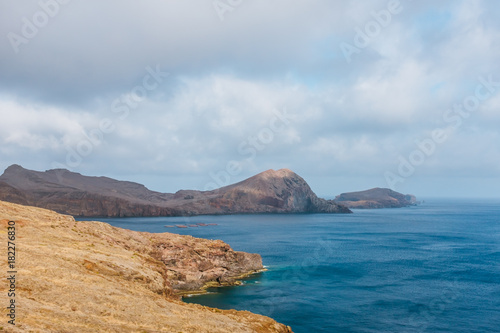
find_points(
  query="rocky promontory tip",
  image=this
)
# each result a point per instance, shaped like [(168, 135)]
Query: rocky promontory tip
[(91, 277), (376, 198), (272, 191)]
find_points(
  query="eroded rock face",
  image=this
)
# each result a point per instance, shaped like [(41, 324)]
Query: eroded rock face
[(92, 277), (281, 191), (376, 198), (192, 263)]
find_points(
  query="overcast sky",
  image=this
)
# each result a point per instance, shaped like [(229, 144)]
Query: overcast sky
[(195, 94)]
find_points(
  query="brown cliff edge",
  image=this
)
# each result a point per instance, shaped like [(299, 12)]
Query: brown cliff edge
[(92, 277)]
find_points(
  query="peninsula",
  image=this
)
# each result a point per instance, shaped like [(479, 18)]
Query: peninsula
[(281, 191)]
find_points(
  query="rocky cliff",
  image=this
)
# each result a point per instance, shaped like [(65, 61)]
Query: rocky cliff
[(281, 191), (376, 198), (92, 277)]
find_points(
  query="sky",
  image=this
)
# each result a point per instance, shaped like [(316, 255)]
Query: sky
[(186, 94)]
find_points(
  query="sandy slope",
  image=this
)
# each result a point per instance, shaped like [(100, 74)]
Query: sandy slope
[(91, 277)]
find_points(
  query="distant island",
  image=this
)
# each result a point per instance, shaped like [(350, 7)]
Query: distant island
[(66, 192), (376, 198)]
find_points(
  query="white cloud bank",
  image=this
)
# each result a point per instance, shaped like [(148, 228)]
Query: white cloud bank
[(268, 87)]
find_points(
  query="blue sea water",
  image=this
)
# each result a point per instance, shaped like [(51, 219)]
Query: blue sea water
[(429, 268)]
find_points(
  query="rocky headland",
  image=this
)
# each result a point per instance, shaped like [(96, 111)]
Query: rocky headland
[(281, 191), (376, 198), (92, 277)]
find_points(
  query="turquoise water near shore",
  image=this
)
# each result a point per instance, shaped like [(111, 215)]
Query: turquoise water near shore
[(428, 268)]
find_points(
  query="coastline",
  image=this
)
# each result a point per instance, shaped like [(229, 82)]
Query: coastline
[(91, 276)]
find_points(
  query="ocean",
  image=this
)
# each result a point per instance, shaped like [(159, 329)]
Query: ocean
[(428, 268)]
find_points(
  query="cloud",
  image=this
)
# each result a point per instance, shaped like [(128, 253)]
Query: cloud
[(228, 80)]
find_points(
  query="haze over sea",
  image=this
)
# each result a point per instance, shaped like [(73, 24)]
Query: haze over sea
[(429, 268)]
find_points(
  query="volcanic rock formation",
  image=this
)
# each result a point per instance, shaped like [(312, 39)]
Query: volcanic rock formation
[(66, 192)]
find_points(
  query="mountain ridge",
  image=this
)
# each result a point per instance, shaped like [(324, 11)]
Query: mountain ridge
[(271, 191)]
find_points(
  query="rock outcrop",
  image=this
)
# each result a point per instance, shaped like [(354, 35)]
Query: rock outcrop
[(281, 191), (66, 192), (376, 198), (92, 277)]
